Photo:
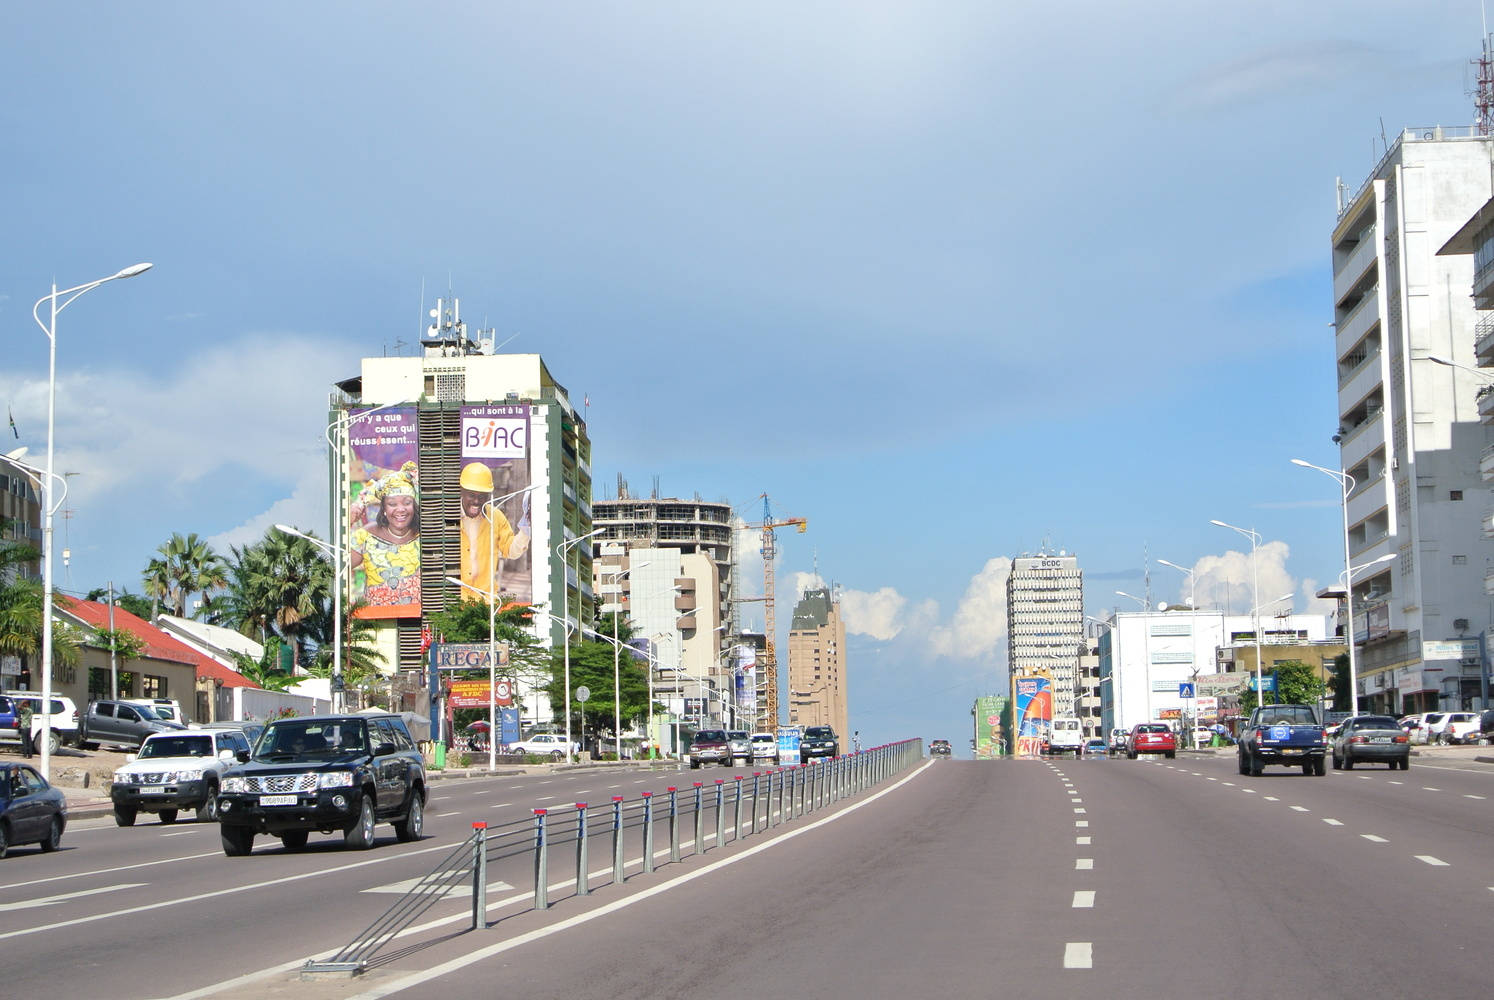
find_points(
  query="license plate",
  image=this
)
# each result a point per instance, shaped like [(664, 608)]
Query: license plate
[(277, 800), (1290, 752), (1379, 739)]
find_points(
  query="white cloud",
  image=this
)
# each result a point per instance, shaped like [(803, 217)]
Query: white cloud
[(876, 614), (1229, 581), (978, 629)]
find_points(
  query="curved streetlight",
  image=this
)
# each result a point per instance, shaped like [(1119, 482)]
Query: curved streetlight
[(1192, 593), (1255, 593), (560, 551), (1346, 483), (616, 666), (48, 506), (336, 552)]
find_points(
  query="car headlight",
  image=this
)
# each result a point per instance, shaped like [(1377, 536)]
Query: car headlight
[(233, 785), (121, 778), (195, 775), (336, 779)]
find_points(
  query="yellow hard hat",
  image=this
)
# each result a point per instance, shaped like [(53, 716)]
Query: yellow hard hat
[(476, 476)]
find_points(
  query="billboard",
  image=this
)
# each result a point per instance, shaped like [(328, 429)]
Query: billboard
[(1032, 713), (988, 735), (494, 537), (474, 694), (383, 513), (744, 678)]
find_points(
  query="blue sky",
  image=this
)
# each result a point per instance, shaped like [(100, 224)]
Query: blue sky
[(947, 279)]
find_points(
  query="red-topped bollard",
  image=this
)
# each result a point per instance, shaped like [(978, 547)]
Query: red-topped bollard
[(582, 887), (479, 875), (541, 862)]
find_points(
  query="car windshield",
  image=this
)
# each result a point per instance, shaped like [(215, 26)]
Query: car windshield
[(819, 733), (1288, 715), (177, 746), (146, 712), (711, 736), (295, 738), (762, 738), (1376, 722), (1156, 728), (737, 736)]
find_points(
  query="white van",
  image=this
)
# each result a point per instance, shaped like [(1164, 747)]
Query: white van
[(166, 708), (1066, 736)]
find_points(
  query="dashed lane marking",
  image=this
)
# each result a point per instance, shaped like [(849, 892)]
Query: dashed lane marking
[(1434, 862), (1332, 822), (1080, 809), (1084, 864), (1300, 809), (1084, 899), (27, 904), (1427, 788), (1081, 840), (1374, 839), (1272, 798), (1473, 796), (1081, 822), (1078, 955)]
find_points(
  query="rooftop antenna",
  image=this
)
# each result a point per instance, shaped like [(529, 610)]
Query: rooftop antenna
[(1483, 93)]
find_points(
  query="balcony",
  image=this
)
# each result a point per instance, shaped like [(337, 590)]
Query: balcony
[(1360, 259), (1486, 405), (1359, 321), (1363, 380), (1483, 340), (1486, 463)]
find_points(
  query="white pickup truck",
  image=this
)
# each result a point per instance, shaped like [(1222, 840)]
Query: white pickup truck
[(1066, 736)]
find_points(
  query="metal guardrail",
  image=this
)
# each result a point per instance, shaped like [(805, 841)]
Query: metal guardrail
[(737, 808)]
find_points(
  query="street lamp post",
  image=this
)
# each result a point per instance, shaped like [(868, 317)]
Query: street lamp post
[(1192, 592), (1255, 596), (1346, 484), (560, 550), (616, 666), (49, 508), (1260, 696), (336, 687)]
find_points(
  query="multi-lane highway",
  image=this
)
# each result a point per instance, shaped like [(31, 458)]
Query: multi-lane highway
[(955, 879)]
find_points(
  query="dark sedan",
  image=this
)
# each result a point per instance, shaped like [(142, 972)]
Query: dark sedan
[(31, 811), (1371, 738)]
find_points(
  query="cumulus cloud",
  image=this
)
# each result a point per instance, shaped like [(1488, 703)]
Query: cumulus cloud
[(977, 630), (1229, 581), (877, 614)]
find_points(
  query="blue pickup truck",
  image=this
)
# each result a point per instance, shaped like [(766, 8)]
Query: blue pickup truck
[(1290, 735)]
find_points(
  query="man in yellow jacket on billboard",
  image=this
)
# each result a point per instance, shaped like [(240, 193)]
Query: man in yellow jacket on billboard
[(482, 537)]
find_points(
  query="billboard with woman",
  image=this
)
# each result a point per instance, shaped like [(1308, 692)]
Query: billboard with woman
[(383, 526)]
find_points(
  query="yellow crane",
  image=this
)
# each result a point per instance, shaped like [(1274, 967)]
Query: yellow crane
[(767, 709)]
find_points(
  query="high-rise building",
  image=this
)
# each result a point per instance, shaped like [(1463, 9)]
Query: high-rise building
[(1045, 623), (816, 664), (1409, 432), (460, 464)]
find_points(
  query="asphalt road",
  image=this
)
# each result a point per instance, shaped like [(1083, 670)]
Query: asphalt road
[(1048, 879)]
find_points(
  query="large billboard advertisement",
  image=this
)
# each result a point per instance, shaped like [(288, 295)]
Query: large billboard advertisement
[(495, 467), (1032, 714), (988, 736), (383, 527), (744, 676)]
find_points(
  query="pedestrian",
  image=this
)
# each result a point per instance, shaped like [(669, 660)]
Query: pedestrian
[(23, 725)]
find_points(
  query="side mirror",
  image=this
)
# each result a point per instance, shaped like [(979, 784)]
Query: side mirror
[(130, 757), (225, 754), (385, 749), (242, 756)]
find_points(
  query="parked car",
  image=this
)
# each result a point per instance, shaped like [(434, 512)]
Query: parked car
[(327, 773), (63, 719), (1431, 725), (122, 724), (764, 747), (542, 743), (31, 810), (165, 708), (1096, 747), (251, 730), (819, 741), (940, 748), (1459, 727), (741, 745), (175, 771), (710, 746), (1118, 740), (1152, 737), (1377, 738)]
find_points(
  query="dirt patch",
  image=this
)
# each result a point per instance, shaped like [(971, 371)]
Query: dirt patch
[(74, 768)]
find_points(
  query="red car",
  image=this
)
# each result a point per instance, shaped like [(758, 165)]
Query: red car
[(1152, 737)]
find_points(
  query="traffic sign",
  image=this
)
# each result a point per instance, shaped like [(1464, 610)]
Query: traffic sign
[(582, 693), (1185, 690)]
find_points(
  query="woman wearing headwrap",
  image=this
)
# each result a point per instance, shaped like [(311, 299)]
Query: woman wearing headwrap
[(388, 551)]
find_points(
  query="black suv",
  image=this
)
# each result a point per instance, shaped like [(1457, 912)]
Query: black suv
[(329, 773), (940, 748), (819, 741)]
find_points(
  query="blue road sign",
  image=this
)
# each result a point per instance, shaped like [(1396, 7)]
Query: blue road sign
[(1185, 690)]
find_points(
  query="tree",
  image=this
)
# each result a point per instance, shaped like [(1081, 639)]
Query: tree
[(21, 620), (361, 657), (279, 586), (1297, 683), (591, 665), (184, 565), (265, 671), (135, 604), (1339, 683)]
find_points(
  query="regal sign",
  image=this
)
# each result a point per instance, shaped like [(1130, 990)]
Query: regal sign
[(466, 656)]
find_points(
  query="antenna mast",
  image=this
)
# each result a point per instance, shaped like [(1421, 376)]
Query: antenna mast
[(1483, 94)]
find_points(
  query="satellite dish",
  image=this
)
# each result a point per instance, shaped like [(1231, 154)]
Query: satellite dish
[(1161, 605), (435, 314)]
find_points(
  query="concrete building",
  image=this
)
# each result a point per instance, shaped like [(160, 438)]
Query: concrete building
[(1409, 430), (1145, 657), (1087, 706), (817, 690), (457, 404), (1045, 623)]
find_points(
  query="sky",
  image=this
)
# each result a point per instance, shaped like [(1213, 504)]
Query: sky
[(954, 281)]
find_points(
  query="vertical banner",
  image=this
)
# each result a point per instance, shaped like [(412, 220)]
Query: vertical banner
[(384, 513), (745, 675), (495, 536), (1032, 713), (988, 736)]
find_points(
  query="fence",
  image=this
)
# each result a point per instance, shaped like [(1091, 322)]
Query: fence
[(718, 814)]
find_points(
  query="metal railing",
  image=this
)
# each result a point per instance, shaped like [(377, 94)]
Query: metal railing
[(726, 811)]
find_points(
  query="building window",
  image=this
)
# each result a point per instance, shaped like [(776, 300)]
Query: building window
[(1455, 494), (1460, 560), (152, 687)]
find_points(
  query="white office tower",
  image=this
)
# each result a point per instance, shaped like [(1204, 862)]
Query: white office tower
[(1045, 623), (1409, 429)]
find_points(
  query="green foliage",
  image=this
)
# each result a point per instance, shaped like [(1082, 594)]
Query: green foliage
[(1297, 683), (1339, 683), (279, 586), (21, 619), (126, 645), (135, 604), (265, 671), (184, 565), (592, 666)]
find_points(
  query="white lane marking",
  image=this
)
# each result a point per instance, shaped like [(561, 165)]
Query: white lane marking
[(1084, 864), (110, 871), (439, 798), (1427, 788), (502, 804), (483, 791), (27, 904), (179, 833), (545, 798), (1473, 796), (1231, 784), (1215, 779), (1079, 810), (1076, 798), (1300, 809), (1081, 840), (1272, 798), (611, 787), (1081, 822), (1084, 899), (1434, 862), (1078, 955), (1248, 791), (1375, 839), (460, 889), (1332, 822)]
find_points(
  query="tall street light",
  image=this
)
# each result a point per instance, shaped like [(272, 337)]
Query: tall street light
[(492, 673), (1346, 484), (1255, 595), (335, 551), (616, 667), (1192, 592), (1346, 578), (1260, 696), (48, 506), (565, 583)]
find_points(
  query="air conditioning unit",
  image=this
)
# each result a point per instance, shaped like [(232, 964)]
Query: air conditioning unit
[(1461, 624)]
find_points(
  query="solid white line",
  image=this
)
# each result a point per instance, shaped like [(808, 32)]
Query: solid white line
[(1434, 862), (179, 833), (1084, 899), (1371, 837), (49, 900), (1084, 864), (1332, 822), (109, 871), (1078, 955)]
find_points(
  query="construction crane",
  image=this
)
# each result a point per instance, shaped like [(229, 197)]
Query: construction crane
[(767, 710)]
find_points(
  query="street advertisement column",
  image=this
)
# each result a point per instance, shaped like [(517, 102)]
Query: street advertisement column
[(495, 523), (384, 513), (1032, 714), (988, 735), (744, 677)]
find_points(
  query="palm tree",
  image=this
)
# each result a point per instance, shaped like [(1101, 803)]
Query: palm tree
[(21, 619), (185, 565), (285, 583)]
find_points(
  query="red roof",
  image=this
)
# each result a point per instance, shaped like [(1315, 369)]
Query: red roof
[(158, 644)]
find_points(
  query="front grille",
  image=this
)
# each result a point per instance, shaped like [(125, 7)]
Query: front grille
[(149, 778), (279, 784)]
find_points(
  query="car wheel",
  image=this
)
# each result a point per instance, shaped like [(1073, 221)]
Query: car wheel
[(694, 765), (414, 822), (1172, 755), (557, 755), (1319, 768), (53, 839), (294, 840), (1442, 739), (1307, 767), (208, 811), (168, 816), (237, 840), (54, 742), (1338, 765), (1348, 763), (123, 816), (1406, 763), (1240, 762), (1257, 767), (361, 834), (4, 840)]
